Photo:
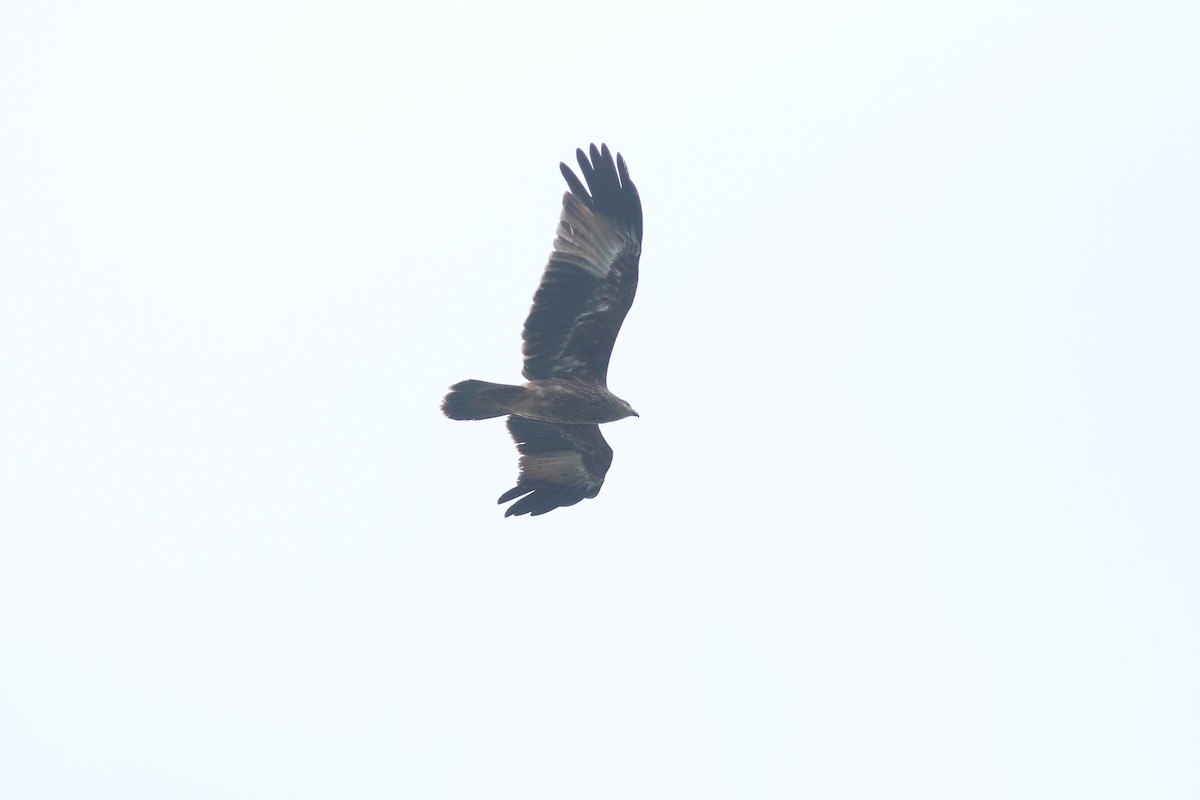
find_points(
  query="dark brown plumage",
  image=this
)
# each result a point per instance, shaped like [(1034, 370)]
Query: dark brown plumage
[(585, 293)]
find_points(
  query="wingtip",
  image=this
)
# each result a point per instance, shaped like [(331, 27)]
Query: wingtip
[(590, 159), (623, 170)]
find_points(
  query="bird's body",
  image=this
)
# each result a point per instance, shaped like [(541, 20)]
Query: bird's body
[(586, 291), (571, 402), (550, 400)]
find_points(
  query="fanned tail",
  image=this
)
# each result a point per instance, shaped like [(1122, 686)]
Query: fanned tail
[(479, 399)]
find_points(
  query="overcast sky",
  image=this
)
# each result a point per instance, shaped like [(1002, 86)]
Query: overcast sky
[(911, 509)]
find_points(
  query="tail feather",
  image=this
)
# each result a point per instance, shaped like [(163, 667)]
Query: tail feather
[(479, 399)]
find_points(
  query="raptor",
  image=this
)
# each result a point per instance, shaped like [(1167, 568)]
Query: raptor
[(585, 292)]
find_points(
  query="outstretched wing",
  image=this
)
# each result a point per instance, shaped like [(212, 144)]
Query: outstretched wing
[(590, 281), (560, 465)]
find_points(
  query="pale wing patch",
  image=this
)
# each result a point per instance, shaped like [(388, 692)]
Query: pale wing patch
[(561, 466), (587, 240)]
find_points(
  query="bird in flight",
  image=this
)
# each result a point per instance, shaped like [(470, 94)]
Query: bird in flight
[(585, 293)]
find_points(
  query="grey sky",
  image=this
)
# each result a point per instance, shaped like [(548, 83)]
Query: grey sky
[(910, 510)]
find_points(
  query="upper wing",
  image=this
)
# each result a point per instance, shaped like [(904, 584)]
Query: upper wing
[(560, 465), (589, 283)]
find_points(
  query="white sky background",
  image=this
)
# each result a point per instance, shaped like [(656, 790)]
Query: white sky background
[(911, 509)]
